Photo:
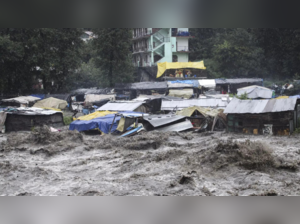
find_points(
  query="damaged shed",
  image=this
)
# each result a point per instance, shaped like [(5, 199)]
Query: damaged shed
[(273, 116), (24, 119)]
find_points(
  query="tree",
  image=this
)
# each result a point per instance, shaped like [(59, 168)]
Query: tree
[(113, 54), (31, 54), (87, 76)]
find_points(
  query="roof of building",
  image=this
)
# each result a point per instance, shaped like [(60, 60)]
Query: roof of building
[(32, 111), (142, 85), (181, 104), (120, 106), (91, 91), (237, 106), (22, 99), (238, 80)]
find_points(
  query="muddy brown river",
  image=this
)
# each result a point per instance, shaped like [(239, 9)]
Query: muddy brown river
[(151, 163)]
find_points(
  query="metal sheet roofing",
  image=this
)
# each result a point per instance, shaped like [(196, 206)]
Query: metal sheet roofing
[(128, 106), (182, 126), (141, 85), (162, 119), (33, 111), (237, 81), (237, 106), (22, 99), (181, 104)]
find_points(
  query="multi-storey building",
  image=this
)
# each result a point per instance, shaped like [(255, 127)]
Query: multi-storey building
[(155, 45)]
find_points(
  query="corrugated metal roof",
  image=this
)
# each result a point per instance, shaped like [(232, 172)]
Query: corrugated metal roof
[(237, 81), (180, 104), (159, 120), (111, 106), (33, 111), (182, 126), (22, 99), (237, 106), (142, 85)]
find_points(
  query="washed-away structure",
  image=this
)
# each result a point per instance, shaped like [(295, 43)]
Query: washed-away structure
[(51, 102), (254, 92), (205, 118), (166, 122), (106, 124), (21, 101), (24, 119), (277, 116)]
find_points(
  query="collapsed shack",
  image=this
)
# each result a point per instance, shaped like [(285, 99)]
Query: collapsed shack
[(25, 119), (231, 85), (168, 122), (274, 116), (129, 91), (20, 101), (205, 118), (106, 122)]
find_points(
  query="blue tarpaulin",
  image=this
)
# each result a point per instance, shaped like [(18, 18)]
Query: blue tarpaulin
[(102, 123), (193, 83), (41, 96)]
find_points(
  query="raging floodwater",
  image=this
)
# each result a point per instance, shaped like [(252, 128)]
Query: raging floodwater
[(69, 163)]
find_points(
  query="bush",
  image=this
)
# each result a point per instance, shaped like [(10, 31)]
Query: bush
[(68, 120)]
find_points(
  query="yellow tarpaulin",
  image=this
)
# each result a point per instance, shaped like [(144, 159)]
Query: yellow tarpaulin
[(282, 97), (203, 110), (95, 115), (162, 67)]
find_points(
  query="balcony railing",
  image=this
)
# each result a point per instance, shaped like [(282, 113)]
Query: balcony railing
[(142, 49), (182, 48), (139, 35)]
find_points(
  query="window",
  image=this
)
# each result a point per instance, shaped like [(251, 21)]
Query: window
[(175, 58)]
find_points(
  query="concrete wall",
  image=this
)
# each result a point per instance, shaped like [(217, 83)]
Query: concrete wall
[(182, 57), (182, 44)]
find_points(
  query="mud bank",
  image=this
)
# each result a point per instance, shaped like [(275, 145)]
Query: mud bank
[(153, 163)]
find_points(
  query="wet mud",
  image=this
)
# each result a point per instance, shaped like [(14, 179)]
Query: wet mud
[(151, 163)]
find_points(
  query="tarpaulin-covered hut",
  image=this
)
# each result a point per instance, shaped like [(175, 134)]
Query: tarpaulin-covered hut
[(254, 92), (51, 102)]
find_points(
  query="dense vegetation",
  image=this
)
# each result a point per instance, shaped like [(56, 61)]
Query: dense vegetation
[(63, 61), (270, 53)]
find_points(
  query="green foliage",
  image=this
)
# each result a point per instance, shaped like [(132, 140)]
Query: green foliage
[(40, 53), (241, 97), (113, 54), (270, 53), (87, 76), (68, 120)]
